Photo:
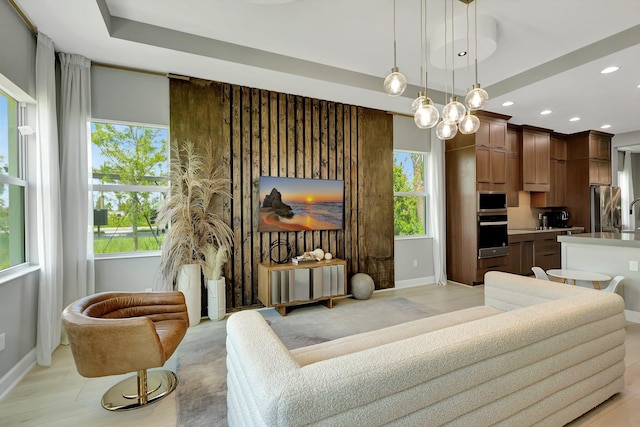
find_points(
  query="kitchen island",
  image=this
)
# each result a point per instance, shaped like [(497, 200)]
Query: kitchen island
[(615, 254)]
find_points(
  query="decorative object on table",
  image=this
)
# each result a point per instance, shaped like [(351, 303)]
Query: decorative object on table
[(312, 256), (196, 181), (276, 251), (362, 286), (328, 256)]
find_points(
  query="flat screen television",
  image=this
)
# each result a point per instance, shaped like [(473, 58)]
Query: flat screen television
[(296, 204)]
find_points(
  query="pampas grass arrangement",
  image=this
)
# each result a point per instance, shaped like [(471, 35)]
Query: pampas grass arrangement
[(196, 234)]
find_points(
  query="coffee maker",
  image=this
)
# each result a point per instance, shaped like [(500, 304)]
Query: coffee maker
[(558, 219)]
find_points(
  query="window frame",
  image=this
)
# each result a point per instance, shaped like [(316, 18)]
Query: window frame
[(20, 180), (425, 194), (125, 187)]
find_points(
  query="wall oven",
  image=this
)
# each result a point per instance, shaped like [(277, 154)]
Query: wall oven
[(492, 201), (493, 240)]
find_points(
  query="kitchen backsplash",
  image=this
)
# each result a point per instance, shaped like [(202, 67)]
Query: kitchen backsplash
[(524, 216)]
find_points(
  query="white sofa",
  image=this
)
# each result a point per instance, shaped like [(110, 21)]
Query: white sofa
[(537, 352)]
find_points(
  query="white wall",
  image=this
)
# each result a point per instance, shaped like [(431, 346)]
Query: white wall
[(18, 293), (128, 273), (413, 257)]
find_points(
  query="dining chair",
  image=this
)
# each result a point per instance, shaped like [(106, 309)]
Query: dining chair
[(539, 273), (613, 284)]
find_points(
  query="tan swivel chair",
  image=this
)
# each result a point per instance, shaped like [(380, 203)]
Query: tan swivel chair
[(115, 333)]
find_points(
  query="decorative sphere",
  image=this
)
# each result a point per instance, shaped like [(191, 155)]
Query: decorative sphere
[(318, 253), (362, 286), (446, 130), (328, 256)]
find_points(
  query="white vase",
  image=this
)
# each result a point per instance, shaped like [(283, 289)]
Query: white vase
[(217, 299), (189, 283)]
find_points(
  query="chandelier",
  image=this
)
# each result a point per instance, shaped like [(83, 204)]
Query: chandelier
[(455, 116)]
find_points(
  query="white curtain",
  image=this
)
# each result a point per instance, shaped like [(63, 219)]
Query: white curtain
[(437, 209), (47, 205), (626, 189), (75, 114)]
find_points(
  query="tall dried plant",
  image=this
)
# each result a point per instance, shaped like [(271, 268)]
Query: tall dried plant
[(195, 230)]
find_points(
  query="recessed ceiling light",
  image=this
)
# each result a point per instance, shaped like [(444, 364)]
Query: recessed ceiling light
[(638, 86), (609, 70), (574, 119), (545, 112), (462, 53), (510, 103), (605, 126)]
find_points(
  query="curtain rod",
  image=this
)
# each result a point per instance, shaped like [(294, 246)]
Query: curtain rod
[(395, 113), (26, 20), (123, 68)]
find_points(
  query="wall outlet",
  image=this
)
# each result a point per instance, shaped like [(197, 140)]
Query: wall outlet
[(1, 342), (633, 265), (415, 263)]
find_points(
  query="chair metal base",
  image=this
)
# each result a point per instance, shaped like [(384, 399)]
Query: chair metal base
[(141, 390)]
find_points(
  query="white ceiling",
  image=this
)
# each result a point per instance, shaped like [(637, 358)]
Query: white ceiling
[(549, 52)]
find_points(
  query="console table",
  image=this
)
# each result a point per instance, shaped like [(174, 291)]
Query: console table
[(283, 285)]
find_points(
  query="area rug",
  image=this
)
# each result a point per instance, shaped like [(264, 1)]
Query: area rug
[(200, 358)]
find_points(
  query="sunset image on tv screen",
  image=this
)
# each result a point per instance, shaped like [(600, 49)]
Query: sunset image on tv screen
[(294, 204)]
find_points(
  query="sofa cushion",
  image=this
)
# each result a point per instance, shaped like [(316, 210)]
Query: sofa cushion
[(354, 343)]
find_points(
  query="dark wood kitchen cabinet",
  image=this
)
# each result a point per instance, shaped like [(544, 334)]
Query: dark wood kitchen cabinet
[(521, 254), (474, 163), (535, 159), (556, 196), (514, 180), (533, 249), (588, 163)]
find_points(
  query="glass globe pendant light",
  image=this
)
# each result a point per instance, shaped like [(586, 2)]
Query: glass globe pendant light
[(427, 115), (477, 98), (470, 124), (446, 130), (454, 111), (395, 83)]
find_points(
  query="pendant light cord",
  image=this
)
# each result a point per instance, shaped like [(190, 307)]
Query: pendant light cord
[(475, 38), (395, 65), (453, 66), (446, 80), (422, 48)]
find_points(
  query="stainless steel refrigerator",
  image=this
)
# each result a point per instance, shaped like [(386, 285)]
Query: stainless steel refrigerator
[(605, 209)]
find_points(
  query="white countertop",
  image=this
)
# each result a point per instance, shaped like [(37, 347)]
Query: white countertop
[(605, 239), (514, 231)]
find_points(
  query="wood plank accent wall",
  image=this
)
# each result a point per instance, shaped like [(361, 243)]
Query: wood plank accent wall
[(263, 133)]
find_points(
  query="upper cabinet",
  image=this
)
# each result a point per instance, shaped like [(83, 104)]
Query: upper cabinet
[(514, 180), (556, 196), (592, 151), (535, 159)]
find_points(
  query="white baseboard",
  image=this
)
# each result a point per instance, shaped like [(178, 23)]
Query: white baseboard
[(16, 373), (632, 316), (410, 283)]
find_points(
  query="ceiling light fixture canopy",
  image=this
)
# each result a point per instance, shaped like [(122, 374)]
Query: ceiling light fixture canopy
[(395, 83)]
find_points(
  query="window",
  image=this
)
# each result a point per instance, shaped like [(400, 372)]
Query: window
[(409, 194), (129, 167), (12, 185)]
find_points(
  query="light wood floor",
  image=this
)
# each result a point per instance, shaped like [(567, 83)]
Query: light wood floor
[(58, 396)]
